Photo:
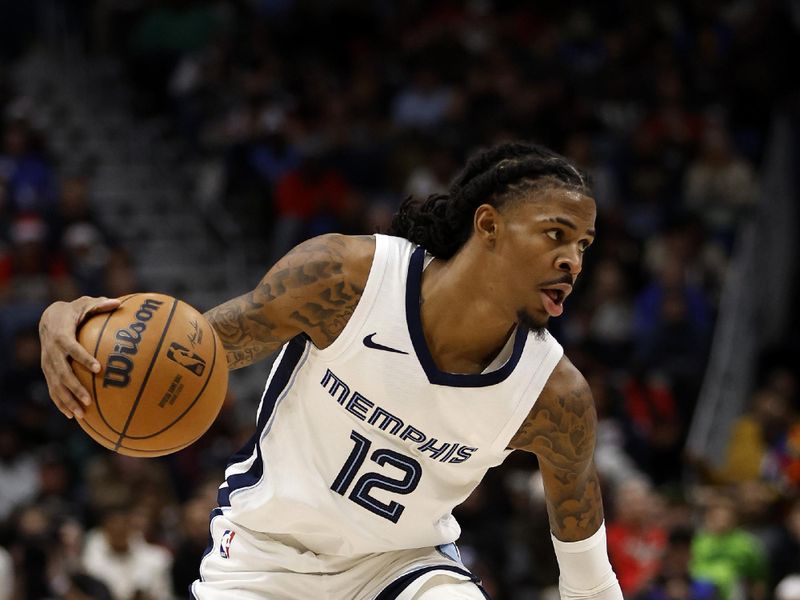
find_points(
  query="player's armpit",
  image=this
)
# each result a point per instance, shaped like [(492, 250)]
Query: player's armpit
[(560, 430), (313, 290)]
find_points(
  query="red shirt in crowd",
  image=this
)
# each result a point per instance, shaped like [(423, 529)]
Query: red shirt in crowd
[(635, 553)]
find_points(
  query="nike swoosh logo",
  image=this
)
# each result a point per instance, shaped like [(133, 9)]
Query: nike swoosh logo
[(376, 346)]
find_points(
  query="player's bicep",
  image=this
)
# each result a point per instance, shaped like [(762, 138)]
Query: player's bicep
[(560, 430), (312, 290)]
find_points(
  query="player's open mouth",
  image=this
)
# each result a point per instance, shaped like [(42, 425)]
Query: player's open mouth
[(553, 299)]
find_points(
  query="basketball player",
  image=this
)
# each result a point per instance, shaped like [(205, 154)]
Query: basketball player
[(409, 365)]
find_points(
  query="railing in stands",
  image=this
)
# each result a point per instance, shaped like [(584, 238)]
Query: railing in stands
[(755, 305)]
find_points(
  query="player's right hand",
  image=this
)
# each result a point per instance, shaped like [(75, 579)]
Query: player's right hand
[(57, 334)]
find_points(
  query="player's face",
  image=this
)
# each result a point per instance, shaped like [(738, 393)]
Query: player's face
[(541, 245)]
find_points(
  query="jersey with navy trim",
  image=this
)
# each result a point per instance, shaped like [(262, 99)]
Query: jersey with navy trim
[(365, 446)]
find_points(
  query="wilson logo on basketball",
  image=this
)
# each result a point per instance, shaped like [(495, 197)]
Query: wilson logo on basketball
[(119, 365), (186, 358)]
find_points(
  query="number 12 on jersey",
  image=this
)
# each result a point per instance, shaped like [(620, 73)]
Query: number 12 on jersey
[(412, 471)]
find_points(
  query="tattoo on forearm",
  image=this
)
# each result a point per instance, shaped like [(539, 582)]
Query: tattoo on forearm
[(246, 335), (575, 506), (561, 433), (311, 280)]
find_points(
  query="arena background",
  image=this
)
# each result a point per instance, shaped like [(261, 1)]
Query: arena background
[(181, 146)]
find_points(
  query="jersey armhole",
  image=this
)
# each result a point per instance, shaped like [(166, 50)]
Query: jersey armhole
[(365, 304), (541, 373)]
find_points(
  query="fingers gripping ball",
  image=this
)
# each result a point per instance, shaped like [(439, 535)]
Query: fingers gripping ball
[(163, 378)]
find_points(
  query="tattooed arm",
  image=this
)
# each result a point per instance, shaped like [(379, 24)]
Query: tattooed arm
[(313, 290), (560, 430)]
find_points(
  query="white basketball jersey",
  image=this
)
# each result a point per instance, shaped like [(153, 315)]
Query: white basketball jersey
[(366, 446)]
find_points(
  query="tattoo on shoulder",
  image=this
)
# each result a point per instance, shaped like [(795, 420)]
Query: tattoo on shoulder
[(309, 288)]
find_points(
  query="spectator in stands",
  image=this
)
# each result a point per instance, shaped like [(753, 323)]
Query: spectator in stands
[(752, 435), (120, 276), (66, 550), (424, 102), (674, 580), (636, 538), (728, 556), (686, 241), (191, 544), (760, 508), (57, 493), (86, 256), (656, 423), (672, 124), (667, 302), (788, 588), (785, 556), (782, 462), (720, 186), (32, 275), (81, 586), (21, 379), (163, 34), (272, 156), (75, 208), (610, 326), (432, 177), (116, 555), (783, 380), (47, 552), (115, 479), (580, 148), (644, 185), (309, 200), (614, 432), (29, 176), (30, 535), (529, 565), (19, 470), (672, 327)]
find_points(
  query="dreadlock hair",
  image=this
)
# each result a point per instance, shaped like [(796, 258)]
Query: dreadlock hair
[(442, 223)]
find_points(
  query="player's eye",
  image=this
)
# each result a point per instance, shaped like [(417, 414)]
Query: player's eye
[(555, 234), (584, 246)]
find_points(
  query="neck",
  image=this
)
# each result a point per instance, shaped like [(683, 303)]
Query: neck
[(464, 340)]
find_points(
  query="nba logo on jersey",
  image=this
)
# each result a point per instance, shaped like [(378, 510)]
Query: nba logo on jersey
[(225, 544)]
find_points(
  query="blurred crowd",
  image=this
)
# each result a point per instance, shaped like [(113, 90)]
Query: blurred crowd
[(310, 116)]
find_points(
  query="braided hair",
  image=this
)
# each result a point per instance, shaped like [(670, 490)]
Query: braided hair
[(442, 223)]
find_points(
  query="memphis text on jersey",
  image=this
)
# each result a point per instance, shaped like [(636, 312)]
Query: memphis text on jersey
[(366, 410)]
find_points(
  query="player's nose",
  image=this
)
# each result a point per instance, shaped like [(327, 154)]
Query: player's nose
[(569, 264)]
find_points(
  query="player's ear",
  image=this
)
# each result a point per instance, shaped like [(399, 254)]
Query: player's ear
[(487, 223)]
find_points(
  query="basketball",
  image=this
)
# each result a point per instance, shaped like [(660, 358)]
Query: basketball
[(163, 376)]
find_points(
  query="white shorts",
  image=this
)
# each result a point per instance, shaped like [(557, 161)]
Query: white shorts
[(248, 565)]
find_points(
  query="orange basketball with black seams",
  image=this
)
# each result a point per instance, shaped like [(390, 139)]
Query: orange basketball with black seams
[(163, 379)]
